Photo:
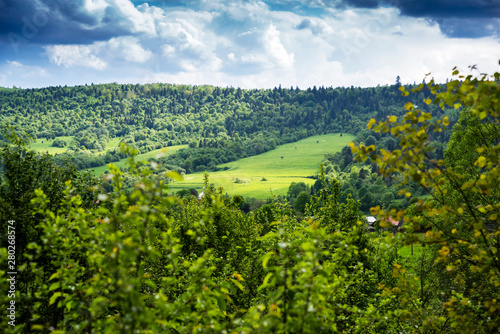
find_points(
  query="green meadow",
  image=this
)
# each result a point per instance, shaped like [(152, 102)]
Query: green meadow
[(258, 176), (418, 248), (140, 157), (405, 251), (271, 172), (44, 145)]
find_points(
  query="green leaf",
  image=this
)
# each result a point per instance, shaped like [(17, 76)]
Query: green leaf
[(265, 282), (238, 284), (221, 301), (54, 275), (266, 259), (151, 284), (54, 286), (174, 175), (54, 297)]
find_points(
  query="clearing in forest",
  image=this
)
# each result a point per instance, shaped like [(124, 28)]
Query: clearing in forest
[(273, 171)]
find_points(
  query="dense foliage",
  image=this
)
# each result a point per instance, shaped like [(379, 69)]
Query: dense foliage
[(463, 214), (219, 124), (142, 261)]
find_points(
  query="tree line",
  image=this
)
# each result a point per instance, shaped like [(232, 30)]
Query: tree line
[(219, 124)]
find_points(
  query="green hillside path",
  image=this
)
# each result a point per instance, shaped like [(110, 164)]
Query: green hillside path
[(286, 164)]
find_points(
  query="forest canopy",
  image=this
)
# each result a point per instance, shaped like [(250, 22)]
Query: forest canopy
[(140, 260)]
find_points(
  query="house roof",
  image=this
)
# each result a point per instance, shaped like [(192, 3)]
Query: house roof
[(371, 219)]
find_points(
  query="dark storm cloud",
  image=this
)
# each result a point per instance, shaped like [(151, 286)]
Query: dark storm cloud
[(53, 22), (451, 9), (469, 28), (431, 8), (461, 18), (456, 18)]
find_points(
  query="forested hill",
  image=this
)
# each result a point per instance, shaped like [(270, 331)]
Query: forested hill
[(219, 124)]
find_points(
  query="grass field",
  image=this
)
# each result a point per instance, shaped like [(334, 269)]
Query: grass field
[(258, 176), (113, 142), (146, 156), (44, 145), (417, 247), (406, 250), (280, 167)]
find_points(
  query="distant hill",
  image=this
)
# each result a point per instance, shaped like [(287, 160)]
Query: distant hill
[(219, 124)]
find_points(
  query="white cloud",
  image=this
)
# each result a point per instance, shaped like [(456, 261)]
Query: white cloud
[(95, 7), (14, 63), (183, 34), (276, 49), (188, 43), (15, 73), (26, 71), (76, 55), (129, 49), (245, 43), (168, 50), (99, 54), (254, 58), (264, 48), (141, 21)]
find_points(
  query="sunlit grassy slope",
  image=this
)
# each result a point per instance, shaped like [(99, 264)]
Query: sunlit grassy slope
[(44, 145), (146, 156), (280, 167)]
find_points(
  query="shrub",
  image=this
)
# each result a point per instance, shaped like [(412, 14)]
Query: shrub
[(59, 143)]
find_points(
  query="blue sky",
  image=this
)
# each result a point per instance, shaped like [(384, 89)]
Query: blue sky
[(248, 44)]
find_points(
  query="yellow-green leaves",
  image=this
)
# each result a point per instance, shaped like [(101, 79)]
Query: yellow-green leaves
[(174, 175), (363, 152), (370, 123), (481, 161), (354, 148), (446, 121), (409, 106), (266, 259)]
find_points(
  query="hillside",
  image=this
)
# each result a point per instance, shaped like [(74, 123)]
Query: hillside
[(271, 172), (219, 124), (306, 266), (210, 129)]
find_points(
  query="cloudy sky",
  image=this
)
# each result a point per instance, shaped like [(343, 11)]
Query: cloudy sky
[(244, 43)]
